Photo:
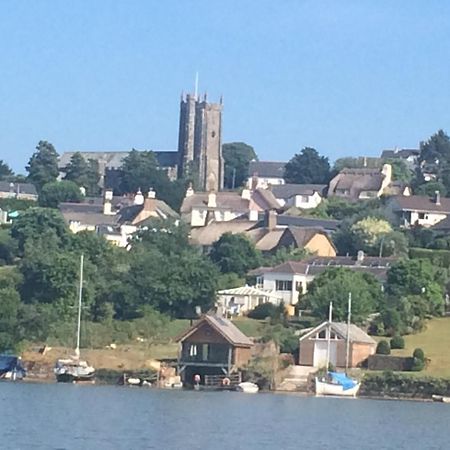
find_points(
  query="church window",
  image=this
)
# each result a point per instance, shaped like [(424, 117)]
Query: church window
[(213, 134)]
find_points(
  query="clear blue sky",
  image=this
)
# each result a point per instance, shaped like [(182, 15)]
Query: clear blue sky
[(347, 77)]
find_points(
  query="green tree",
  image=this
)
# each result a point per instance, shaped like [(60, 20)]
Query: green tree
[(9, 306), (35, 224), (5, 171), (355, 163), (56, 192), (43, 165), (368, 231), (237, 156), (436, 150), (235, 253), (335, 284), (8, 247), (307, 167), (400, 170), (430, 187), (84, 173)]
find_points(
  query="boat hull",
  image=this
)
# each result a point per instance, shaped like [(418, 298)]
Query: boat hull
[(248, 388), (324, 388), (70, 378)]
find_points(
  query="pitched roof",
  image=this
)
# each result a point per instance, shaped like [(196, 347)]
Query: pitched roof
[(298, 221), (212, 232), (421, 203), (265, 199), (356, 181), (269, 240), (266, 169), (286, 191), (224, 200), (87, 214), (355, 333), (152, 205), (315, 265), (223, 326), (17, 188), (302, 235)]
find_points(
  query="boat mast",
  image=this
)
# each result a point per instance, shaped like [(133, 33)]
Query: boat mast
[(347, 354), (80, 295), (330, 318)]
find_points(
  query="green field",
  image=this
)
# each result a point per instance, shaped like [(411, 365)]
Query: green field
[(435, 342)]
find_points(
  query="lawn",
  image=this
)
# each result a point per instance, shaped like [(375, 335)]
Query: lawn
[(435, 342)]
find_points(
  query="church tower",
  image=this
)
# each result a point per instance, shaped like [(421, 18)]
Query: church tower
[(200, 142)]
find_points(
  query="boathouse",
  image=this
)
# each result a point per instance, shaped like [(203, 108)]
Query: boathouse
[(212, 348), (313, 346)]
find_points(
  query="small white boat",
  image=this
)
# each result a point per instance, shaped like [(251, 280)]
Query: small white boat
[(248, 388), (338, 385), (440, 398)]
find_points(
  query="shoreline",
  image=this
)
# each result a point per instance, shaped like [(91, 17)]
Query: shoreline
[(48, 380)]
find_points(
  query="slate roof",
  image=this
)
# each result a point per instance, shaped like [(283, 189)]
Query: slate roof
[(21, 188), (316, 265), (286, 191), (421, 203), (224, 327), (356, 334), (266, 169), (297, 221)]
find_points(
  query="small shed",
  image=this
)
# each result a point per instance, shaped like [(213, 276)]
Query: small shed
[(213, 346), (313, 345)]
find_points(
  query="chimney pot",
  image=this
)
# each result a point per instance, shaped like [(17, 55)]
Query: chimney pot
[(437, 197)]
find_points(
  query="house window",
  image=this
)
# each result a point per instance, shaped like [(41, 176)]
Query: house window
[(283, 285), (322, 334), (421, 215), (193, 350), (305, 199)]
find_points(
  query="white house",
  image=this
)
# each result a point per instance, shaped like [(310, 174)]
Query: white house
[(292, 277), (304, 196), (201, 208), (262, 174), (418, 210)]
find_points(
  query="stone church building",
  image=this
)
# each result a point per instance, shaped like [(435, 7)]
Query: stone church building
[(199, 154)]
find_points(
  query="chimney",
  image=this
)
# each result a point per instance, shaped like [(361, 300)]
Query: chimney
[(151, 193), (254, 181), (212, 200), (270, 219), (253, 215), (360, 256), (107, 206), (189, 191), (246, 194), (138, 198), (437, 198)]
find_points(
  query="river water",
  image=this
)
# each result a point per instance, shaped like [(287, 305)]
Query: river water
[(61, 416)]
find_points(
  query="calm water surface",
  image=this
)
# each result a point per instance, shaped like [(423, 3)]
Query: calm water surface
[(57, 416)]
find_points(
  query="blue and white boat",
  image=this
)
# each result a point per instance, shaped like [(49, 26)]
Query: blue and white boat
[(337, 383), (11, 368)]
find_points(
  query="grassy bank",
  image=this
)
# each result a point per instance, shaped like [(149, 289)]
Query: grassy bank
[(435, 342)]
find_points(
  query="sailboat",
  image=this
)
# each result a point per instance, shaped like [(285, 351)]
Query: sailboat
[(335, 383), (75, 370)]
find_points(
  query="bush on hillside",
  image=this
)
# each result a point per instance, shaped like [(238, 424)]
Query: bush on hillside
[(419, 354), (397, 342), (383, 348), (263, 311), (418, 365)]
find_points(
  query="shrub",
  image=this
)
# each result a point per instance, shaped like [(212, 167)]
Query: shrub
[(419, 354), (263, 311), (418, 365), (397, 342), (383, 348)]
